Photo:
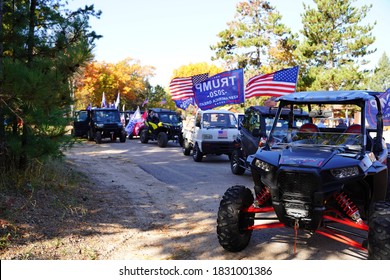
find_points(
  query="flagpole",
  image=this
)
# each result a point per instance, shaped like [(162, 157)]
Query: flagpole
[(296, 82)]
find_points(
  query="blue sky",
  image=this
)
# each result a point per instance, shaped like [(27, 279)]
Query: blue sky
[(167, 34)]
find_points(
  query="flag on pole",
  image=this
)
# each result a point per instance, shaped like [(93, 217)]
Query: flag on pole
[(181, 88), (117, 101), (221, 89), (278, 83), (185, 103), (372, 110), (146, 101), (103, 104), (132, 122), (385, 101), (140, 123)]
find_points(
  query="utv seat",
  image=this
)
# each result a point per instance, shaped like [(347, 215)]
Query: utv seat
[(307, 131), (356, 129), (309, 128)]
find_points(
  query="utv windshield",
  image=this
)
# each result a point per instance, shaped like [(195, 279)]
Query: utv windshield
[(219, 120), (107, 116), (168, 118), (282, 124), (329, 126)]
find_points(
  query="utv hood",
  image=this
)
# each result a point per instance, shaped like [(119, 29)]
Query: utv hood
[(307, 157)]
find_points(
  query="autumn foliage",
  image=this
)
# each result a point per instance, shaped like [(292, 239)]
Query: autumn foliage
[(127, 77)]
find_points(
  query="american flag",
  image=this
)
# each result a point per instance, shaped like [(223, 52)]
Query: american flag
[(181, 88), (146, 101), (274, 84), (222, 134)]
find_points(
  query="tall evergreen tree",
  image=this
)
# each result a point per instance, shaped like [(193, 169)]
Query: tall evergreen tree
[(380, 79), (44, 44), (335, 44), (256, 40)]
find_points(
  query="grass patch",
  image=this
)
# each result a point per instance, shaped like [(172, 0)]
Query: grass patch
[(36, 203)]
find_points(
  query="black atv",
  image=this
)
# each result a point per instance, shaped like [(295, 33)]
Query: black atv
[(329, 180), (162, 125), (254, 128), (105, 123)]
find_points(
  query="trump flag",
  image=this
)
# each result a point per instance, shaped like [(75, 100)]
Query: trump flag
[(221, 89)]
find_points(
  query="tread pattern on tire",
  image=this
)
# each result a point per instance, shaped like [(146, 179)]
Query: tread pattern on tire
[(231, 220), (379, 231), (235, 166)]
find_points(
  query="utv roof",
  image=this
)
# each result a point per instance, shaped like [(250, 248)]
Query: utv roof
[(343, 96), (161, 110), (104, 109), (271, 111), (217, 111)]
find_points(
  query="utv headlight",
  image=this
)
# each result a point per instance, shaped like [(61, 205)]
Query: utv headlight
[(100, 125), (345, 172), (207, 136), (263, 165)]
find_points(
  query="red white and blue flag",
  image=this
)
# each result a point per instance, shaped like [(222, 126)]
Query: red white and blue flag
[(182, 88), (222, 134), (140, 123), (278, 83), (146, 101)]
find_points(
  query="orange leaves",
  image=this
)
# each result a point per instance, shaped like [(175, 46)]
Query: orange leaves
[(127, 77)]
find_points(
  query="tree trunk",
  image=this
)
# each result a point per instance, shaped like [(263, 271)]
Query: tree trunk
[(2, 116), (30, 48)]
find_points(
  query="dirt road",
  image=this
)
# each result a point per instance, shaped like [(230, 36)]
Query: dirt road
[(148, 219), (121, 212)]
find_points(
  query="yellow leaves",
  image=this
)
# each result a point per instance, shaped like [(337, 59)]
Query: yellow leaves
[(127, 77), (195, 69)]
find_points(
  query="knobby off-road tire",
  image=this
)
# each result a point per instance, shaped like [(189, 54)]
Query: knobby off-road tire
[(197, 155), (162, 139), (144, 136), (186, 148), (235, 163), (379, 232), (122, 137), (231, 222), (98, 137)]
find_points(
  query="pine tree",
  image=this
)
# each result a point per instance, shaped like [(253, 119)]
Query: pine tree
[(380, 79), (335, 44), (44, 44), (256, 40)]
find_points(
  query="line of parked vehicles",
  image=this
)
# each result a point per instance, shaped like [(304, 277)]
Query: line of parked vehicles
[(326, 180)]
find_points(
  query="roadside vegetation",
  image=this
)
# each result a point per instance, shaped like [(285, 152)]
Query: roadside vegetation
[(42, 200)]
